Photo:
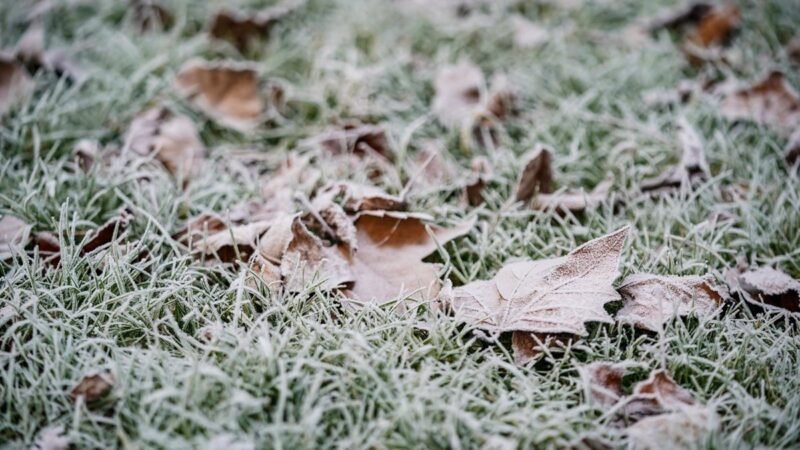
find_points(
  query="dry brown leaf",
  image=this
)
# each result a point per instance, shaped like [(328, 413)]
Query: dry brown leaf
[(554, 295), (431, 168), (528, 34), (93, 387), (228, 92), (14, 236), (85, 152), (574, 201), (51, 438), (691, 169), (502, 100), (528, 346), (356, 198), (170, 138), (329, 220), (650, 301), (243, 29), (105, 234), (537, 174), (656, 395), (150, 15), (481, 174), (602, 381), (459, 93), (717, 27), (391, 246), (766, 286), (689, 15), (231, 244), (15, 83), (771, 102), (357, 139)]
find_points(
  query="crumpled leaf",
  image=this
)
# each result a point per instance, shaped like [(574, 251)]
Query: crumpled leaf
[(602, 381), (150, 15), (228, 244), (572, 200), (460, 90), (765, 286), (93, 387), (32, 52), (356, 198), (691, 169), (170, 138), (537, 174), (707, 29), (502, 100), (480, 174), (391, 246), (51, 438), (650, 301), (243, 29), (529, 346), (14, 236), (86, 152), (771, 102), (554, 295), (686, 428), (357, 139), (717, 27), (15, 83), (528, 34), (228, 92)]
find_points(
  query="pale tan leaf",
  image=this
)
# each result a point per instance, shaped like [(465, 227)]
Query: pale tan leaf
[(575, 201), (357, 139), (391, 246), (554, 295), (691, 169), (528, 34), (685, 428), (86, 152), (14, 236), (537, 174), (766, 286), (650, 301), (226, 91), (150, 15), (460, 90), (307, 261), (356, 198), (170, 138), (656, 395), (15, 83), (93, 386), (602, 381), (236, 243), (771, 102)]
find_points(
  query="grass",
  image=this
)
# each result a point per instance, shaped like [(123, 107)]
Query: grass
[(298, 371)]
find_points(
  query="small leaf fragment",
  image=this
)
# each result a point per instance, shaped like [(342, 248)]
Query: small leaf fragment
[(52, 438), (15, 83), (93, 387), (691, 169), (14, 236), (770, 102), (766, 286), (537, 174)]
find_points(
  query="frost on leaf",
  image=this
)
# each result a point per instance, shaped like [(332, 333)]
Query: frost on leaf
[(356, 198), (14, 236), (228, 92), (357, 139), (650, 301), (554, 295), (15, 82), (771, 102), (766, 286), (529, 346), (602, 381), (691, 169), (480, 174), (243, 29), (169, 138), (574, 200), (236, 243), (93, 387), (51, 438), (537, 174), (459, 93), (32, 53)]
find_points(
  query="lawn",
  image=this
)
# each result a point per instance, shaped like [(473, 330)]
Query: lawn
[(189, 348)]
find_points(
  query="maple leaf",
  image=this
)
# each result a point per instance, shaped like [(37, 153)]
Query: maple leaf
[(15, 83), (650, 301), (228, 92), (170, 138), (554, 295), (691, 169)]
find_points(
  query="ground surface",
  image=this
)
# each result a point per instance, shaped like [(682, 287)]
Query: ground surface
[(297, 371)]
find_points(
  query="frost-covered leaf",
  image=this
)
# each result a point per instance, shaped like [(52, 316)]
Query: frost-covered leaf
[(15, 83), (528, 34), (226, 91), (574, 200), (766, 286), (771, 102), (51, 438), (460, 90), (243, 29), (93, 387), (691, 169), (650, 301), (14, 236), (554, 295)]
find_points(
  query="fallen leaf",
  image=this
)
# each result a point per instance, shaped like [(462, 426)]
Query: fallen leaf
[(85, 152), (15, 83), (228, 92), (431, 168), (771, 102), (356, 198), (51, 438), (528, 346), (242, 29), (602, 381), (686, 428), (554, 295), (170, 138), (537, 174), (765, 286), (689, 15), (459, 93), (391, 246), (93, 387), (329, 220), (717, 27), (691, 169), (574, 201), (14, 236), (657, 394), (105, 234), (793, 50), (480, 174), (230, 244), (501, 103), (151, 15), (650, 301), (357, 139), (528, 34), (792, 153)]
